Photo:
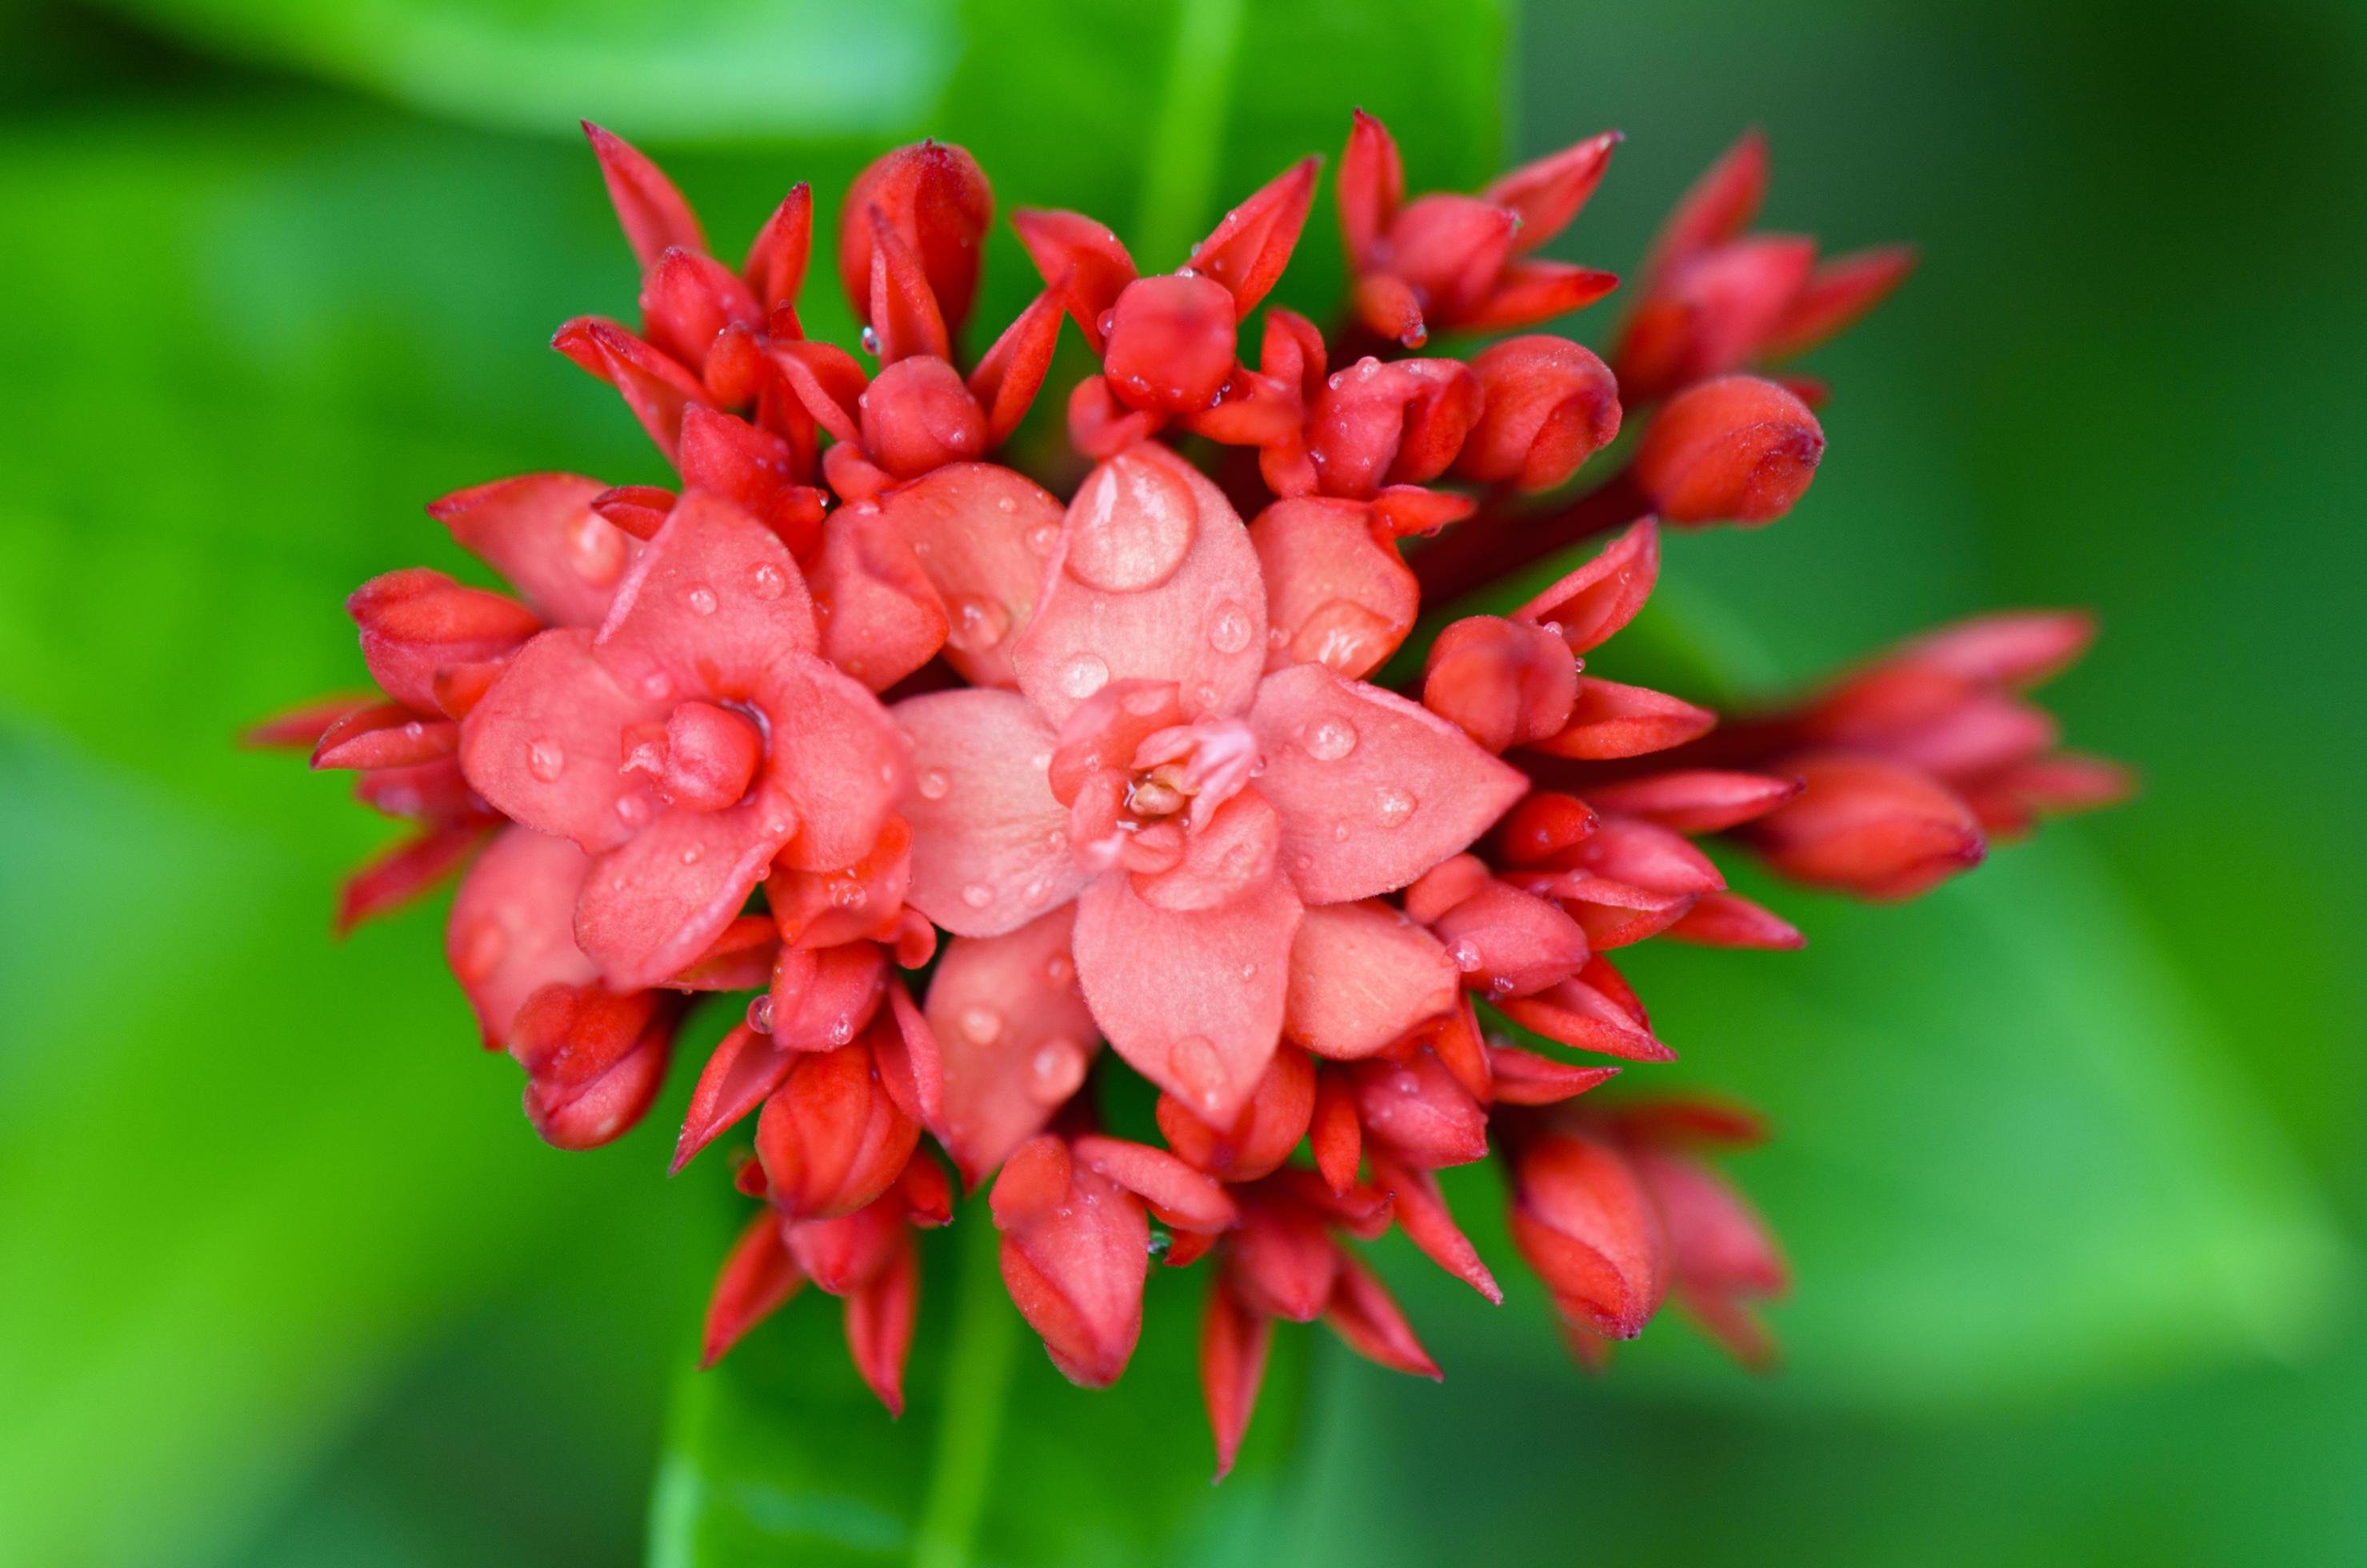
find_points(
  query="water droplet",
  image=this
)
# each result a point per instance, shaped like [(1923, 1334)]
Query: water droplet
[(480, 949), (1193, 1060), (1466, 954), (1501, 986), (980, 1025), (1056, 1070), (1339, 833), (700, 598), (842, 1029), (760, 1014), (1394, 805), (1329, 740), (1161, 1241), (1043, 537), (933, 784), (596, 550), (1061, 970), (1249, 971), (691, 853), (870, 341), (1131, 526), (656, 687), (1230, 630), (767, 580), (545, 760), (846, 893), (633, 809), (978, 895), (1005, 504), (1083, 676), (975, 624)]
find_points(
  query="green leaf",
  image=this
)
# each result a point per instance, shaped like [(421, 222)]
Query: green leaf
[(781, 1452), (708, 69)]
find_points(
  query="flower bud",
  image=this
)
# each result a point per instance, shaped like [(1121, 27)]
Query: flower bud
[(594, 1060), (416, 621), (1400, 423), (917, 415), (1171, 342), (1869, 826), (1587, 1227), (1500, 682), (936, 199), (831, 1138), (1736, 449), (1076, 1248), (1547, 405)]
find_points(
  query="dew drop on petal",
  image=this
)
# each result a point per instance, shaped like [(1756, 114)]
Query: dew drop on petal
[(846, 893), (700, 598), (1394, 805), (1193, 1060), (980, 1025), (870, 340), (690, 855), (1043, 537), (1056, 1070), (1061, 970), (1083, 676), (656, 687), (767, 580), (633, 809), (975, 624), (595, 549), (1339, 833), (545, 760), (1131, 526), (842, 1029), (1327, 740), (760, 1014), (1466, 954), (978, 895), (480, 948), (931, 784), (1228, 628)]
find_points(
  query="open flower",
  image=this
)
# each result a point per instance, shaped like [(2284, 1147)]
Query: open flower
[(691, 740), (1192, 804)]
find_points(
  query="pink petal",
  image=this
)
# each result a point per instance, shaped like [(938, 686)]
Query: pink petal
[(1611, 720), (1417, 1110), (881, 618), (1179, 1195), (713, 596), (651, 212), (1363, 1314), (980, 534), (650, 907), (746, 1067), (1335, 595), (1585, 607), (1362, 975), (1373, 789), (1233, 1345), (1015, 1035), (542, 745), (990, 843), (1200, 1017), (540, 531), (1231, 854), (513, 926), (756, 1278), (1153, 577), (835, 756)]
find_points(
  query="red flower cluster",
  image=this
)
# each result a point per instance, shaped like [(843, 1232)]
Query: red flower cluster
[(854, 685)]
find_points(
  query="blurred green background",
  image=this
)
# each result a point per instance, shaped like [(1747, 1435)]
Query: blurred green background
[(2070, 1155)]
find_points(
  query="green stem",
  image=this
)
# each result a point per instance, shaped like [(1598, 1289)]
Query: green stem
[(1180, 170), (978, 1364)]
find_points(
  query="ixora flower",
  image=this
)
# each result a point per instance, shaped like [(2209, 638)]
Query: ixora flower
[(1155, 758)]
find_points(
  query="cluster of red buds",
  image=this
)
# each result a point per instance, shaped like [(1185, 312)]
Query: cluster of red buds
[(854, 689)]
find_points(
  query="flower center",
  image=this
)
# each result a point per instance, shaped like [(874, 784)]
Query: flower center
[(702, 758)]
